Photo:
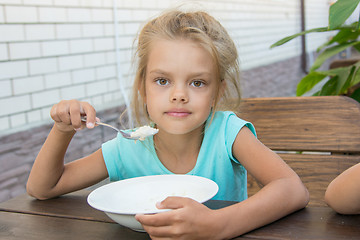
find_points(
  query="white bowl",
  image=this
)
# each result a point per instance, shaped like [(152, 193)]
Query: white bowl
[(123, 199)]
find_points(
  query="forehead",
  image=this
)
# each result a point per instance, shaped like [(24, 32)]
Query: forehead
[(179, 55)]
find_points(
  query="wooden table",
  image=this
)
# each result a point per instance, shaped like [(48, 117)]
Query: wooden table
[(70, 217)]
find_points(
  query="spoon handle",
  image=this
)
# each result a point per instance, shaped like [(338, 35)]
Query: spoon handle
[(107, 125), (124, 134)]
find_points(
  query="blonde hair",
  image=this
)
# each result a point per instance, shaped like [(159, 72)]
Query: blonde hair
[(201, 28)]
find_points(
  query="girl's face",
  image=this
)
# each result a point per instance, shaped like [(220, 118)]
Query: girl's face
[(180, 86)]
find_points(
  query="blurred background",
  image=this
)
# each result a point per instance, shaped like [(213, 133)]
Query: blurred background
[(63, 49)]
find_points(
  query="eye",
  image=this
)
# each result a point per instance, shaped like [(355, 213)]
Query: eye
[(162, 81), (197, 83)]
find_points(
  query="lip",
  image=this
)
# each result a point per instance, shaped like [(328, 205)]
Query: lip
[(178, 113)]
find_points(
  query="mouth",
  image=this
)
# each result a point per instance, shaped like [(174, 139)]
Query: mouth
[(179, 113)]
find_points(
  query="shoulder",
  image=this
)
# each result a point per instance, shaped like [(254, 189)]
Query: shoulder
[(119, 146), (230, 122), (126, 158), (224, 128)]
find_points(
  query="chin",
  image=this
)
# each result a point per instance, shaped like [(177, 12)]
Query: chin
[(179, 129)]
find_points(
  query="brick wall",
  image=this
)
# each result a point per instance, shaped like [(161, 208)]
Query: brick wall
[(55, 49)]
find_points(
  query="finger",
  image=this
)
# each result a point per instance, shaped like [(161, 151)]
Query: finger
[(163, 232), (63, 112), (90, 113), (156, 225), (173, 203), (154, 220), (75, 117), (53, 114)]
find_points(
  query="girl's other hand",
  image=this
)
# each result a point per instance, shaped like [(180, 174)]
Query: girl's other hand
[(67, 115), (188, 220)]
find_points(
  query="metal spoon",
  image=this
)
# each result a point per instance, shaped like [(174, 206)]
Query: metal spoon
[(124, 134)]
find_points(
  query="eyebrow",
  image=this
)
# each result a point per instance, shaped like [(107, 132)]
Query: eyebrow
[(194, 74), (158, 71)]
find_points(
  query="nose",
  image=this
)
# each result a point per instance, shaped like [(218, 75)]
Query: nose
[(179, 94)]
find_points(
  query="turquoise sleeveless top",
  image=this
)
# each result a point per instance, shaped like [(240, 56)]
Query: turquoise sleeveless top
[(127, 159)]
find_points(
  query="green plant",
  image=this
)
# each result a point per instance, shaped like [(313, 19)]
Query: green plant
[(341, 79)]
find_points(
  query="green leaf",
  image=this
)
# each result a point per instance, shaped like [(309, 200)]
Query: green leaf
[(308, 82), (356, 95), (329, 52), (341, 79), (345, 34), (317, 93), (357, 47), (340, 11), (343, 76), (329, 87), (286, 39), (344, 80), (337, 71), (356, 77)]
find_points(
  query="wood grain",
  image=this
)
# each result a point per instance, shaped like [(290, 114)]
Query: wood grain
[(316, 172), (308, 223), (73, 205), (318, 137), (38, 227), (311, 223), (326, 124)]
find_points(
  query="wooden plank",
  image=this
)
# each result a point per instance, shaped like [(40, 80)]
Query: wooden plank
[(311, 223), (73, 205), (326, 123), (308, 223), (316, 172), (37, 227)]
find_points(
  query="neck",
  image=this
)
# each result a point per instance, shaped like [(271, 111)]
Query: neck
[(178, 153)]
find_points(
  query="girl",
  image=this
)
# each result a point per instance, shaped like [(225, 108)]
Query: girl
[(187, 70)]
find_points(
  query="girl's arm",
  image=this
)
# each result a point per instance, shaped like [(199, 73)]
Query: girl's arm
[(282, 194), (49, 177), (343, 193)]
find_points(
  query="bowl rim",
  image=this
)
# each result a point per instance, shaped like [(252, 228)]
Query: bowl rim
[(203, 180)]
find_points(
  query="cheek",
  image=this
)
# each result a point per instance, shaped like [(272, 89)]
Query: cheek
[(216, 97), (147, 93), (150, 96), (212, 98), (153, 102), (203, 102)]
